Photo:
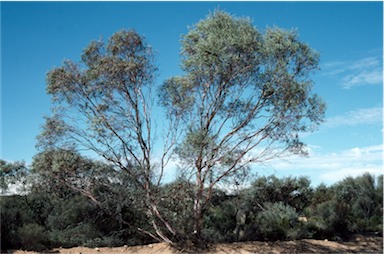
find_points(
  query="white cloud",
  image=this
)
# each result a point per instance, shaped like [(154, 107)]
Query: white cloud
[(333, 167), (365, 71), (365, 77), (333, 176), (337, 67), (356, 117)]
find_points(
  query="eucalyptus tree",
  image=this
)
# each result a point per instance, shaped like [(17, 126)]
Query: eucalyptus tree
[(245, 98), (103, 104)]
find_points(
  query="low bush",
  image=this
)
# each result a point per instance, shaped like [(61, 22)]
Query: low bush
[(33, 237), (277, 222)]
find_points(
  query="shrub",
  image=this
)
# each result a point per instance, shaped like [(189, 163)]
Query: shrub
[(106, 241), (176, 203), (75, 235), (12, 217), (33, 237), (295, 192), (278, 222), (220, 221)]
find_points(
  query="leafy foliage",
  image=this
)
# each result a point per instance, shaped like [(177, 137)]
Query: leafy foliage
[(176, 202), (295, 192), (220, 219), (114, 194), (10, 174), (277, 221), (354, 206), (33, 237)]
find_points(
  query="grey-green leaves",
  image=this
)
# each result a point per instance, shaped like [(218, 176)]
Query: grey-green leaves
[(220, 45)]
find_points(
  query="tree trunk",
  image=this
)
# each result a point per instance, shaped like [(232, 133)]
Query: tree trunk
[(198, 211), (198, 221)]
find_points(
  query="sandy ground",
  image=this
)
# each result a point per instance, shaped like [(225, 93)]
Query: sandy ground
[(358, 244)]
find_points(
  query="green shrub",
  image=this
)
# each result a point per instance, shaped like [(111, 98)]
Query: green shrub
[(295, 192), (12, 217), (33, 237), (220, 222), (106, 241), (278, 222), (176, 203), (75, 235)]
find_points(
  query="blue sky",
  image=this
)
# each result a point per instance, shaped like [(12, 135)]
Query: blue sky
[(37, 36)]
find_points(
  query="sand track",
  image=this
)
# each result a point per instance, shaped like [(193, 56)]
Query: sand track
[(358, 244)]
